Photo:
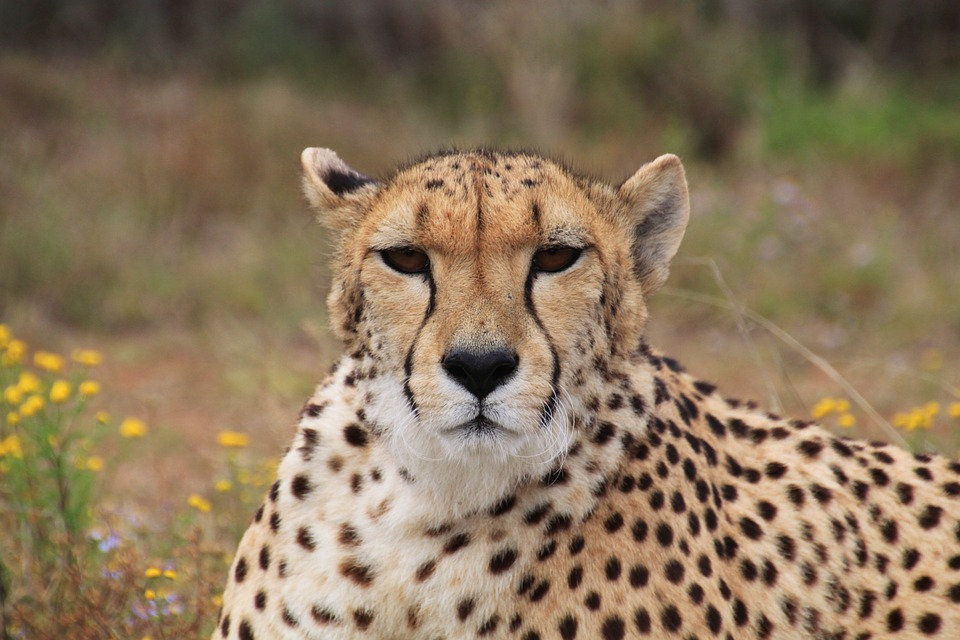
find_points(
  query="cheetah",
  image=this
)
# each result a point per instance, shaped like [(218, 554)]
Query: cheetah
[(500, 453)]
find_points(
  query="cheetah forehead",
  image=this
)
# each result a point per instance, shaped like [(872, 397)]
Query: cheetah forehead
[(457, 202)]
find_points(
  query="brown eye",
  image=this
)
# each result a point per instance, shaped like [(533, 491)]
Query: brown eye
[(553, 259), (406, 260)]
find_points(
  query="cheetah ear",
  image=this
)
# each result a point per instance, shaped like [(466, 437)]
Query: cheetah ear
[(338, 193), (657, 205)]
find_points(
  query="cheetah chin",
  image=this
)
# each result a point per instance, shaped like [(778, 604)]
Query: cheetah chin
[(500, 454)]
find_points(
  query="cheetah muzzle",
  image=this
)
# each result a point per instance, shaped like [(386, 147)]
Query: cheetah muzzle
[(499, 453)]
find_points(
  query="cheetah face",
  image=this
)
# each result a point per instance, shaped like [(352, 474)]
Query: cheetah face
[(485, 295)]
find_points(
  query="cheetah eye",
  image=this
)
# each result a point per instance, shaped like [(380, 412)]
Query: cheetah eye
[(406, 260), (554, 259)]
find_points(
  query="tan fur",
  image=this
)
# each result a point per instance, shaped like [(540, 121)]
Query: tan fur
[(614, 495)]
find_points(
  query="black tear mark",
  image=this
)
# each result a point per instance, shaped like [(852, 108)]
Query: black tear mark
[(343, 182), (408, 361)]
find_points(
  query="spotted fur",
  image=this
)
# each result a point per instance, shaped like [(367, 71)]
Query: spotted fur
[(598, 491)]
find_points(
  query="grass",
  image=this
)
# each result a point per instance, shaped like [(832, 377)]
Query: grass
[(156, 217)]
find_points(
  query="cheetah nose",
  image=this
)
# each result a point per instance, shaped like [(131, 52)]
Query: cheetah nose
[(480, 372)]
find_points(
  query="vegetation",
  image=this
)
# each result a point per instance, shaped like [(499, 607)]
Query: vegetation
[(150, 207)]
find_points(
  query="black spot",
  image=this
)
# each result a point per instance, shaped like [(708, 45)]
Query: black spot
[(502, 560), (465, 608), (766, 510), (895, 620), (547, 550), (821, 493), (355, 435), (305, 539), (504, 506), (537, 514), (638, 576), (613, 628), (264, 557), (489, 626), (240, 571), (300, 486), (358, 573), (559, 522), (456, 543), (954, 593), (929, 624), (705, 566), (714, 619), (670, 619), (425, 570), (434, 184), (605, 432), (568, 628), (539, 591), (751, 529), (930, 517), (592, 601), (740, 616), (575, 577), (576, 545), (246, 633), (776, 470), (880, 477), (664, 534), (642, 620), (674, 571)]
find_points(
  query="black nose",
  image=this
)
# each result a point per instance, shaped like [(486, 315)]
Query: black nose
[(480, 372)]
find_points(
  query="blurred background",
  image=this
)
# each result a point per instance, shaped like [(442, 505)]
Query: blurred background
[(150, 205), (150, 202)]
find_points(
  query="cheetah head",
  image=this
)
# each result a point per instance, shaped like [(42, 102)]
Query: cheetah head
[(486, 294)]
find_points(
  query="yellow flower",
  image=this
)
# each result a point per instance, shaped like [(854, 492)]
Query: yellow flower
[(4, 335), (847, 420), (932, 408), (10, 446), (28, 382), (152, 572), (59, 391), (95, 464), (89, 388), (103, 417), (13, 395), (14, 353), (223, 486), (31, 406), (133, 428), (233, 439), (150, 594), (954, 410), (48, 361), (86, 357), (823, 408), (170, 574), (217, 600), (13, 418), (843, 405), (199, 503)]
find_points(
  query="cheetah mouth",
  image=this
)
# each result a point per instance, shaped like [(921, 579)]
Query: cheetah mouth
[(478, 427)]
